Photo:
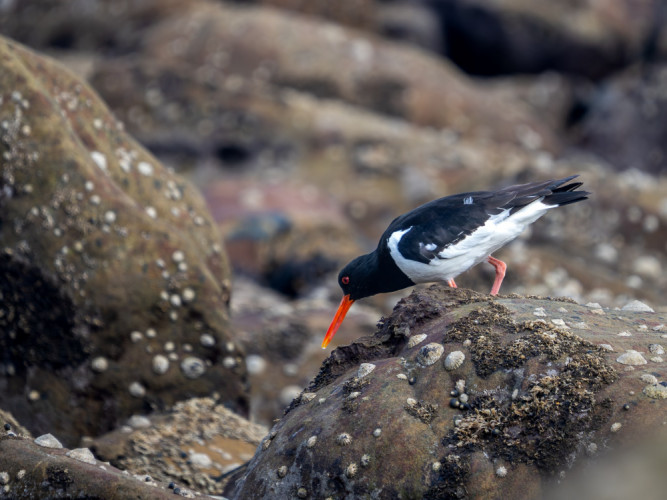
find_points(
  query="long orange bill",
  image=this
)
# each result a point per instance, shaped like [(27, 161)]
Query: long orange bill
[(338, 319)]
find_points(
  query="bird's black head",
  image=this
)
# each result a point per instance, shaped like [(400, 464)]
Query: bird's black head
[(353, 279), (367, 275)]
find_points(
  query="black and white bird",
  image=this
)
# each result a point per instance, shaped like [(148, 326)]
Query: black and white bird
[(443, 238)]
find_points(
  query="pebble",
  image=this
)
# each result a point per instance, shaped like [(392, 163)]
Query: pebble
[(559, 322), (4, 478), (193, 367), (637, 306), (607, 347), (540, 312), (82, 455), (48, 441), (377, 432), (631, 357), (615, 427), (625, 334)]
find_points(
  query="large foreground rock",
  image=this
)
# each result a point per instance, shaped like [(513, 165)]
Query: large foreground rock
[(114, 284), (459, 395)]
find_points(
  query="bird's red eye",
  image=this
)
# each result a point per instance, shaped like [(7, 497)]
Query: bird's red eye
[(345, 280)]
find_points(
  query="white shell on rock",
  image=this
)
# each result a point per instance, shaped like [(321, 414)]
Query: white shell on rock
[(454, 360), (365, 369), (430, 353), (656, 391), (48, 441), (344, 439), (416, 339), (637, 306), (656, 349), (160, 364), (631, 357), (193, 367), (82, 455)]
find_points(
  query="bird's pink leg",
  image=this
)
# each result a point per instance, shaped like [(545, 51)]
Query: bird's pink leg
[(501, 267), (451, 283)]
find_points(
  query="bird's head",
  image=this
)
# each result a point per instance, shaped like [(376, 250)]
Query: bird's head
[(351, 280)]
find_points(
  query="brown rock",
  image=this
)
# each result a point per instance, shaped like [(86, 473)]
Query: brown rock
[(108, 260), (33, 471), (195, 445), (536, 394)]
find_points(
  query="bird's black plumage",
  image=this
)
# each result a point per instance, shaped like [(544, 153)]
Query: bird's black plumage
[(443, 238), (440, 225)]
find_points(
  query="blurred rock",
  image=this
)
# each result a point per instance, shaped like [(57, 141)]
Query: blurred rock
[(588, 38), (32, 471), (284, 338), (624, 120), (195, 444), (7, 419), (108, 260), (531, 403)]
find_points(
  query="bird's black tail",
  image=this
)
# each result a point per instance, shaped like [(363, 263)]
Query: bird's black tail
[(565, 194)]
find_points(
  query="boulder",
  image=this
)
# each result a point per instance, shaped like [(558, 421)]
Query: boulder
[(115, 285), (196, 444), (460, 395), (42, 468)]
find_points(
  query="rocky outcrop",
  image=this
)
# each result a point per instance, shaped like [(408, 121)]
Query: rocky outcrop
[(42, 468), (196, 444), (459, 395), (115, 286)]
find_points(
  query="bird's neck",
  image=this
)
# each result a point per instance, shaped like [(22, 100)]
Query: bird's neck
[(383, 274)]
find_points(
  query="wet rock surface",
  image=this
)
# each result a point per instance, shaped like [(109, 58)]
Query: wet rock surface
[(532, 395), (108, 260)]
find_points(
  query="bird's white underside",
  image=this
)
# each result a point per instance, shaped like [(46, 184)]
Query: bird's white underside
[(455, 259)]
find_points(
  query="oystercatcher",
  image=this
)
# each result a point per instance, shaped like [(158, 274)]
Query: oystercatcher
[(443, 238)]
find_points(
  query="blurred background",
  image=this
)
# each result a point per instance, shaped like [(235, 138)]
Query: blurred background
[(310, 124)]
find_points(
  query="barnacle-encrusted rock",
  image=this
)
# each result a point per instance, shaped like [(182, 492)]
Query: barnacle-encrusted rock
[(31, 471), (196, 428), (90, 226), (530, 394)]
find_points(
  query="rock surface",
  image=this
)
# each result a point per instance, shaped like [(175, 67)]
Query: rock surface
[(538, 393), (195, 445), (108, 260), (28, 470)]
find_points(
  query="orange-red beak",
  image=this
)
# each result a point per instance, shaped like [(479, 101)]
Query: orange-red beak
[(338, 319)]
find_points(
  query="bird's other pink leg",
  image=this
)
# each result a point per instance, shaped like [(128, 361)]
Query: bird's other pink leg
[(451, 283), (501, 267)]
